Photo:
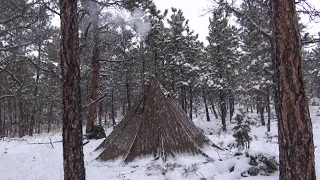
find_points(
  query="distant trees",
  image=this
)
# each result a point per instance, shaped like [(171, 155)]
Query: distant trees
[(224, 61)]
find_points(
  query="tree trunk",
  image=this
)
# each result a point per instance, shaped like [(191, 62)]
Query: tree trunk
[(50, 116), (100, 113), (223, 109), (206, 104), (183, 98), (260, 108), (112, 109), (20, 119), (128, 86), (93, 109), (231, 105), (72, 124), (191, 102), (295, 128), (213, 108), (39, 122), (268, 108)]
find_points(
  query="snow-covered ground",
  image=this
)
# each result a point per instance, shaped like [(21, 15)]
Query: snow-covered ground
[(21, 159)]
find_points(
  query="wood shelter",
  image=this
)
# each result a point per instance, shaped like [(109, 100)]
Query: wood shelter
[(156, 126)]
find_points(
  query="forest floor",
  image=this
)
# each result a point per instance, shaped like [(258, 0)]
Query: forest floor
[(26, 159)]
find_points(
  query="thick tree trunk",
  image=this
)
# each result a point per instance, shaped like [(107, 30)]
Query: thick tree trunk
[(72, 124), (93, 109), (295, 127)]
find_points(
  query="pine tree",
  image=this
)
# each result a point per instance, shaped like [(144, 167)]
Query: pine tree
[(241, 132), (223, 53)]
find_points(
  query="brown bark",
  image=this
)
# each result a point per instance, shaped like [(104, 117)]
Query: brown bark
[(93, 109), (295, 128), (72, 125)]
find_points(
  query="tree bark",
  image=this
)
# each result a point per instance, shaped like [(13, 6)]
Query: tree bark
[(206, 104), (20, 119), (190, 101), (112, 109), (231, 104), (213, 108), (93, 109), (223, 109), (72, 124), (295, 128), (268, 108)]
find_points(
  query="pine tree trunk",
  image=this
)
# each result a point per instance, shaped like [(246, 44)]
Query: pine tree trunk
[(20, 119), (112, 109), (93, 109), (190, 101), (50, 116), (72, 124), (213, 108), (100, 113), (223, 109), (231, 105), (206, 104), (295, 127), (268, 109)]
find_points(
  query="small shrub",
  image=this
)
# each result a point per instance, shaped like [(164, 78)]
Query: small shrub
[(241, 133)]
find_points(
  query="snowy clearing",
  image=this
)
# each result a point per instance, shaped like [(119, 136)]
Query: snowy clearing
[(20, 159)]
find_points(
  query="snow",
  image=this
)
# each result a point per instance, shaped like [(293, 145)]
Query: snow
[(20, 159)]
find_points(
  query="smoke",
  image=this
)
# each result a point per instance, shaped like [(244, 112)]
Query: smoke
[(140, 24), (136, 21)]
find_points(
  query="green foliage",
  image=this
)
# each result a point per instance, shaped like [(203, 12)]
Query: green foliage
[(241, 132)]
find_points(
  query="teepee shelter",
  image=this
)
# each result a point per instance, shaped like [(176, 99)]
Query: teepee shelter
[(156, 126)]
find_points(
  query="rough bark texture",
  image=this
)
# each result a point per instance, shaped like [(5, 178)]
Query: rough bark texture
[(72, 125), (93, 109), (295, 129), (156, 126)]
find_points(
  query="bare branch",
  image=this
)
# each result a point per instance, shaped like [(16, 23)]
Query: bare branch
[(95, 101)]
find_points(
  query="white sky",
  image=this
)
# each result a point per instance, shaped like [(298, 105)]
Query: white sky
[(194, 11)]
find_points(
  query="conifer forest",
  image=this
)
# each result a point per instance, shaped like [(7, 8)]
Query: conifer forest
[(123, 89)]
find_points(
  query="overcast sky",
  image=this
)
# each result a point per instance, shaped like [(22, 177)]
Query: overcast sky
[(194, 11)]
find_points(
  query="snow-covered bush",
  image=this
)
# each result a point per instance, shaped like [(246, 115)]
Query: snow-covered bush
[(241, 132)]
